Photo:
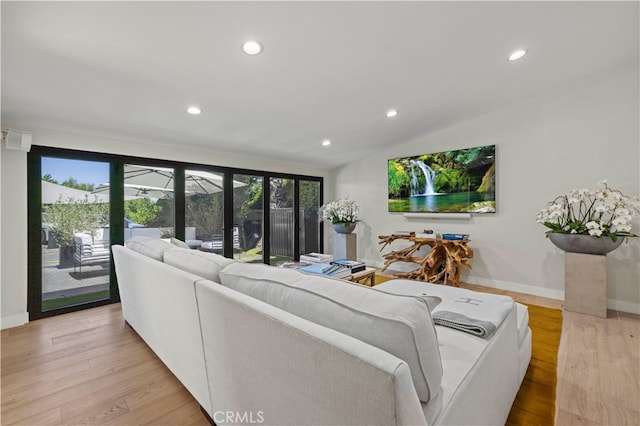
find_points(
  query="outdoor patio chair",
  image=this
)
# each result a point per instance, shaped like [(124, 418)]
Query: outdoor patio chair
[(215, 245), (90, 250)]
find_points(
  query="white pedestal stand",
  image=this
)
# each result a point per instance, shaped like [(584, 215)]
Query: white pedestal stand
[(345, 246), (585, 284)]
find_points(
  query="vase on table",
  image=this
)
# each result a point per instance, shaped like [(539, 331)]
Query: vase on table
[(582, 243), (344, 228)]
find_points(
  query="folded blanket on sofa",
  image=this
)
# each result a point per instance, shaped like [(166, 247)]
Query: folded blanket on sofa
[(463, 323), (473, 312)]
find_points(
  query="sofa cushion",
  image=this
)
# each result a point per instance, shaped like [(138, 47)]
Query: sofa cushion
[(203, 264), (400, 325), (178, 243), (150, 247)]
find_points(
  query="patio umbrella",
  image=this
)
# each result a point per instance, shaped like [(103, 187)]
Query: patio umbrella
[(53, 193), (157, 182), (132, 192)]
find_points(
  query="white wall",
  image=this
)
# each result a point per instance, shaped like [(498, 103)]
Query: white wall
[(13, 198), (569, 138), (13, 253)]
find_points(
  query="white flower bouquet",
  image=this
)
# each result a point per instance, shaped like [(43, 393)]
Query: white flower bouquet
[(340, 211), (605, 212)]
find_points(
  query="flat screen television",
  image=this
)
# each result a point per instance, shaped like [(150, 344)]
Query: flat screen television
[(460, 181)]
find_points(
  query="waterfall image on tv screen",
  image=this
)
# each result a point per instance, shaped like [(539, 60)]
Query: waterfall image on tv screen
[(444, 182)]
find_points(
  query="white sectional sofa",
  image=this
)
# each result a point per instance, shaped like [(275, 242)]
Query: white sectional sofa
[(260, 344)]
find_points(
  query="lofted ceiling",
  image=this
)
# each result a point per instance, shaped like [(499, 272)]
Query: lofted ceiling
[(329, 70)]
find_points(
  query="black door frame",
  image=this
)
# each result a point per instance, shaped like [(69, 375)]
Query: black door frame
[(116, 199)]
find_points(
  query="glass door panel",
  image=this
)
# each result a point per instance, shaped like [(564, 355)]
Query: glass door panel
[(248, 218), (204, 210), (75, 233), (309, 222), (149, 205), (282, 227)]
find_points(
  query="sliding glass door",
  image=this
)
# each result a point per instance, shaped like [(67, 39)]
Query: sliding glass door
[(81, 203), (74, 233), (310, 202), (248, 217), (282, 220), (204, 211), (149, 206)]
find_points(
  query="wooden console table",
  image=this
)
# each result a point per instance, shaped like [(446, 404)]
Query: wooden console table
[(443, 262)]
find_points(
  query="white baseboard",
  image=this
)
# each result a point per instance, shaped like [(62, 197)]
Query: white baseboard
[(14, 320), (615, 304), (517, 287), (623, 306)]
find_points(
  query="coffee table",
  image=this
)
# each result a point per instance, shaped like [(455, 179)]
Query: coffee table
[(366, 277)]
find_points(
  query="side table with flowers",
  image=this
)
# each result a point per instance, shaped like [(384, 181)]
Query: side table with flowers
[(342, 213), (591, 222), (587, 225)]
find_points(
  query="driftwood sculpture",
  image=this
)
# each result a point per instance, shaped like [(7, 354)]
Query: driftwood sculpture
[(443, 263)]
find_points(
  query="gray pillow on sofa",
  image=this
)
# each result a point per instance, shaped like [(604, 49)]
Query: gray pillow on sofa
[(203, 264), (178, 243), (151, 247), (400, 325)]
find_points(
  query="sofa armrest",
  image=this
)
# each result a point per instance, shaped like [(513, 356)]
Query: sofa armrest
[(159, 303)]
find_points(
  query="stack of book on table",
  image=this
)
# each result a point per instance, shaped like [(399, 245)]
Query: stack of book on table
[(353, 265), (316, 258), (404, 234), (458, 237), (430, 236), (326, 270)]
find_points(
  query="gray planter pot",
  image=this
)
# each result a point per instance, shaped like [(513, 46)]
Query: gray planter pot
[(342, 228), (586, 244), (65, 257)]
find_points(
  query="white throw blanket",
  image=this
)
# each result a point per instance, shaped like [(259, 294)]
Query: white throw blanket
[(473, 312)]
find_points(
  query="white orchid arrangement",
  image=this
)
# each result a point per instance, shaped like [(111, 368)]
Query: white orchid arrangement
[(340, 211), (605, 212)]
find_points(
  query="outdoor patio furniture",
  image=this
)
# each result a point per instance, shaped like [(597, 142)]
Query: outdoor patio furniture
[(215, 246), (90, 249), (190, 237)]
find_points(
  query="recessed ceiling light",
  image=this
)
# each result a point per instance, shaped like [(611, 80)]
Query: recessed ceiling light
[(252, 47), (194, 110), (326, 142), (392, 113), (517, 55)]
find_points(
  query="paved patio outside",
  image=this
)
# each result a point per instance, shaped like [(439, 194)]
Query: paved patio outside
[(58, 283)]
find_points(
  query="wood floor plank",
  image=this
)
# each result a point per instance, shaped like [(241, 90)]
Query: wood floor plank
[(157, 410), (105, 403), (49, 417), (157, 388), (45, 397), (614, 413), (564, 417), (119, 343), (24, 380), (92, 411), (187, 414), (579, 379), (65, 354)]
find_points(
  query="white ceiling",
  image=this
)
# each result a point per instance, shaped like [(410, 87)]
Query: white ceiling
[(128, 70)]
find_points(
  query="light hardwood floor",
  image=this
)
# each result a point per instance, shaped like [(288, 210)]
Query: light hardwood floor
[(88, 367), (598, 365)]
